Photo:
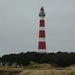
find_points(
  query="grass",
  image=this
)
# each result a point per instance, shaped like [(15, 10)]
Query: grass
[(47, 72), (37, 69), (36, 72)]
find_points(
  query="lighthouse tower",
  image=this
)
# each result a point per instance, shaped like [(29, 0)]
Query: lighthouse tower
[(42, 36)]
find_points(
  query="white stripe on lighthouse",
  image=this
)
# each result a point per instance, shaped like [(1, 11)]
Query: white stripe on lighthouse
[(41, 28), (42, 39), (41, 18), (42, 50)]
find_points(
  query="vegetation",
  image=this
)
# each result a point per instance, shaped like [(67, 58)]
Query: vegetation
[(59, 59), (9, 71), (36, 72)]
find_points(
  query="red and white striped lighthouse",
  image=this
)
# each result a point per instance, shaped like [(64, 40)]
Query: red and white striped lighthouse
[(42, 36)]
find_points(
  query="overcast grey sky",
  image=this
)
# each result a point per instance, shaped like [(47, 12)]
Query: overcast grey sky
[(19, 25)]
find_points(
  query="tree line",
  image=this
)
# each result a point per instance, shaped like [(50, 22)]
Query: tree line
[(59, 59)]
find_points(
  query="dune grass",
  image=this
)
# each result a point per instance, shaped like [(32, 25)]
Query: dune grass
[(47, 72), (37, 72), (37, 69)]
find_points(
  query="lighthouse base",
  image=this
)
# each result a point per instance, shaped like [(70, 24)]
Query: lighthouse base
[(42, 51)]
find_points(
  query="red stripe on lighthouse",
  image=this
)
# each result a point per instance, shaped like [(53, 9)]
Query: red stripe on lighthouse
[(42, 24), (42, 45), (42, 34)]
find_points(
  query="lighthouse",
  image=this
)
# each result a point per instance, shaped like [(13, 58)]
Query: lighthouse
[(42, 36)]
